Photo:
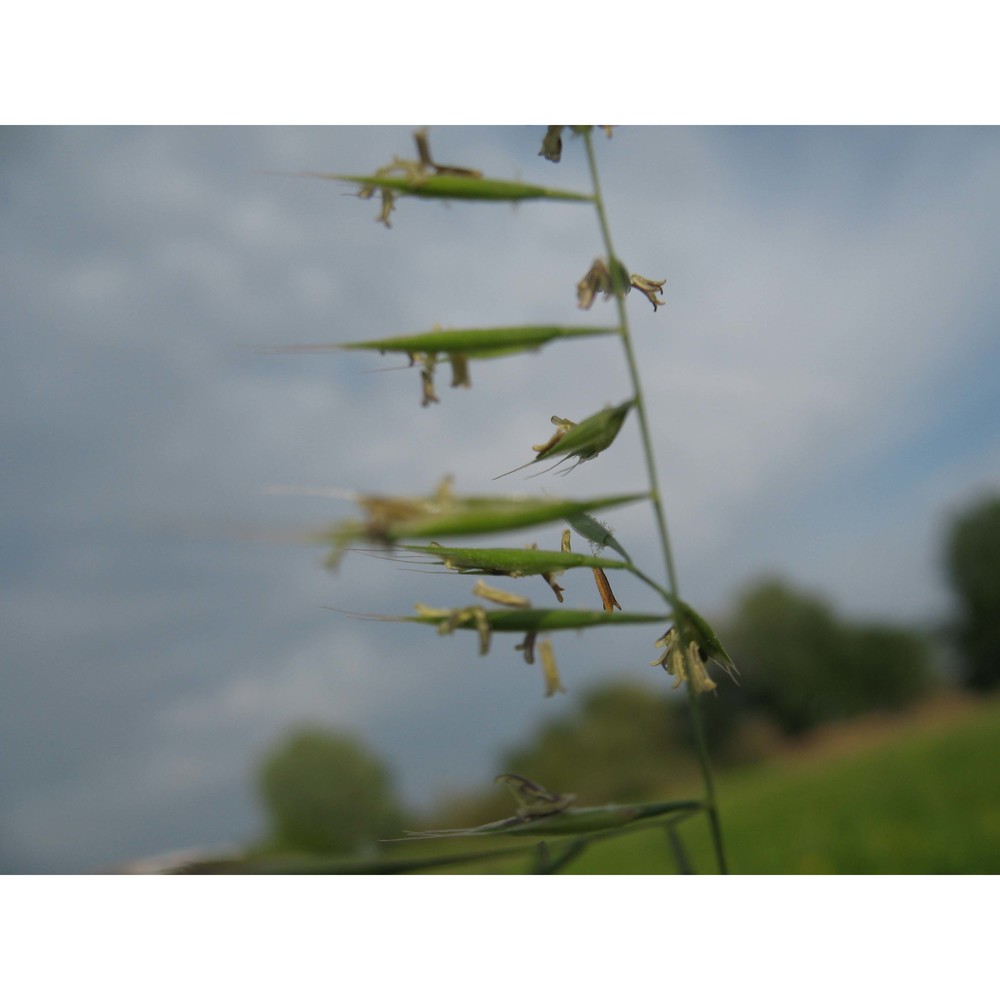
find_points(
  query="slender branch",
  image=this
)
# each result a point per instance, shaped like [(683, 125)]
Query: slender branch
[(640, 402), (677, 846), (661, 520), (547, 864), (662, 591)]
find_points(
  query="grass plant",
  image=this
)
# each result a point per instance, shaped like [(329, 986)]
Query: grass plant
[(557, 832)]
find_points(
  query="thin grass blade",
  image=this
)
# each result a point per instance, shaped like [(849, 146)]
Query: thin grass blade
[(569, 822), (459, 188), (529, 619), (483, 342), (511, 562), (397, 519), (319, 865)]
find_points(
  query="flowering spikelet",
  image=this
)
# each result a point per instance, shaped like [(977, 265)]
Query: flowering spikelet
[(415, 171), (582, 441), (601, 280), (683, 662)]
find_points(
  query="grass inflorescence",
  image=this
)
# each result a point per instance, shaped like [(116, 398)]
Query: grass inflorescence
[(413, 525)]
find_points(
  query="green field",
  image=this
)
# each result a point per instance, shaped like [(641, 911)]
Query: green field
[(920, 796)]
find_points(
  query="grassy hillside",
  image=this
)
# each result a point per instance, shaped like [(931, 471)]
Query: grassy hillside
[(904, 795), (921, 796)]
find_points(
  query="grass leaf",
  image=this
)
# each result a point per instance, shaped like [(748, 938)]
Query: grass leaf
[(569, 822), (532, 619), (322, 865), (396, 519), (446, 186), (483, 342), (512, 562)]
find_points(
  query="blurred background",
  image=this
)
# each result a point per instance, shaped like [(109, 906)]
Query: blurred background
[(822, 387)]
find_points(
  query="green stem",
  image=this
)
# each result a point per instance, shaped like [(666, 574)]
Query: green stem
[(662, 591), (548, 864), (661, 520)]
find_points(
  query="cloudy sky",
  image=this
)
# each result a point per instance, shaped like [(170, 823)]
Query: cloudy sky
[(821, 385)]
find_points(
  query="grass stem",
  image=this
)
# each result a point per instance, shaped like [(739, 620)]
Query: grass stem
[(655, 498)]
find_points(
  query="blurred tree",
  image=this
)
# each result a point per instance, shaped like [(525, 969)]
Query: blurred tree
[(800, 666), (612, 748), (325, 793), (885, 667), (972, 560)]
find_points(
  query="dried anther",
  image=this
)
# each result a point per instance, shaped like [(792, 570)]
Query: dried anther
[(458, 617), (552, 143), (595, 281), (600, 280), (388, 207), (498, 596), (528, 647), (414, 171), (550, 578), (550, 670), (428, 362), (459, 371), (427, 161), (427, 385), (649, 288), (608, 599), (423, 149), (563, 426), (407, 167)]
